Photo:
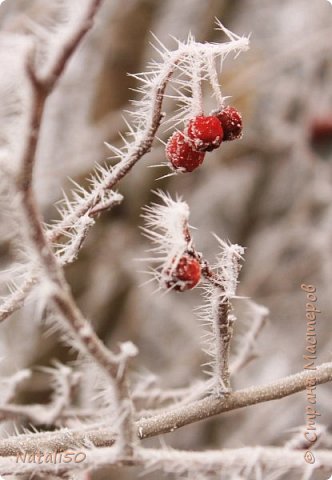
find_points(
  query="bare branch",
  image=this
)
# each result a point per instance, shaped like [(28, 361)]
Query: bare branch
[(175, 418), (179, 417)]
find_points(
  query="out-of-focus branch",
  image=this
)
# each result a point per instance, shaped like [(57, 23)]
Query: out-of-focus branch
[(247, 349), (10, 385), (210, 462), (114, 365), (41, 88), (66, 382), (16, 300), (65, 53), (248, 458)]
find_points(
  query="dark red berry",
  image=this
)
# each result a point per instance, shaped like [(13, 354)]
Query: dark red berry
[(204, 133), (185, 275), (181, 155), (321, 130), (231, 121)]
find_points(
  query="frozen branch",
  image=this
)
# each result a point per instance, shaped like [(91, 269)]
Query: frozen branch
[(59, 441), (60, 61), (221, 287), (246, 350), (10, 385), (241, 460), (64, 384), (41, 88), (178, 417), (114, 365), (174, 418), (146, 120)]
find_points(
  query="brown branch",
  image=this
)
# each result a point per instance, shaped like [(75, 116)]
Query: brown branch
[(70, 46), (222, 322), (115, 366), (175, 418), (224, 333), (91, 202), (57, 441), (210, 406), (41, 88)]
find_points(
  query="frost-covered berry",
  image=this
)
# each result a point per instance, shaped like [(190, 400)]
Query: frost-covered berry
[(185, 275), (204, 133), (181, 155), (231, 121)]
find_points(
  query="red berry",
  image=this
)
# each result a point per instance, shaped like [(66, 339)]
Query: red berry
[(204, 133), (185, 276), (321, 129), (181, 155), (231, 121)]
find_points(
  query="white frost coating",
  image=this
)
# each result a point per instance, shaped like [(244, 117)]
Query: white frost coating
[(165, 226), (226, 271), (228, 266), (174, 69), (128, 349)]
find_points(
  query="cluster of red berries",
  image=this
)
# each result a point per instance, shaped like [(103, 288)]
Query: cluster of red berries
[(185, 276), (186, 150)]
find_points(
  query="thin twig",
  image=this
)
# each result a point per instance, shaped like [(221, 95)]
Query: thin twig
[(70, 46), (222, 324), (247, 347), (224, 333)]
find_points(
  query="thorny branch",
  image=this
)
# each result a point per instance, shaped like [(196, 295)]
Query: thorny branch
[(115, 366), (135, 152), (212, 405), (223, 331), (222, 319), (174, 418)]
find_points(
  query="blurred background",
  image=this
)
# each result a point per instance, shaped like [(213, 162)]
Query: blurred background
[(270, 192)]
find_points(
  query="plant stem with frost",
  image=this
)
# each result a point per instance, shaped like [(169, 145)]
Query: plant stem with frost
[(141, 145)]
